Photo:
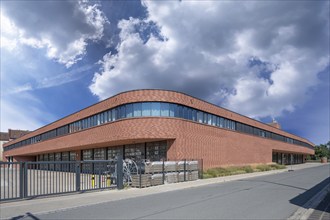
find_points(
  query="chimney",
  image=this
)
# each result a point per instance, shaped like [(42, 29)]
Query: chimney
[(275, 124)]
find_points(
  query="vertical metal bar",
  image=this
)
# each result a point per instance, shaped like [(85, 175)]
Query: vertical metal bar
[(34, 179), (163, 171), (1, 167), (140, 177), (56, 178), (38, 176), (44, 179), (77, 176), (30, 178), (8, 180), (12, 181), (21, 179), (100, 168), (120, 184), (53, 178), (15, 178), (184, 170), (25, 180)]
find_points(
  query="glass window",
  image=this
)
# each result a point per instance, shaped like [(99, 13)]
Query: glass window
[(155, 109), (105, 117), (185, 113), (200, 116), (205, 118), (180, 111), (129, 110), (172, 110), (98, 119), (91, 121), (109, 115), (113, 153), (209, 119), (65, 156), (72, 156), (99, 154), (114, 114), (214, 120), (122, 110), (189, 113), (146, 109), (194, 115), (156, 151), (102, 118), (222, 124), (137, 109), (135, 152), (87, 154), (165, 109)]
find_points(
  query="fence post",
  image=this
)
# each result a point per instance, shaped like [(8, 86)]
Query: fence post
[(140, 171), (184, 170), (201, 170), (163, 168), (120, 160), (21, 179), (25, 179), (78, 176)]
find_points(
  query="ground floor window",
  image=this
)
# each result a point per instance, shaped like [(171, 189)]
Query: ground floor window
[(113, 152), (286, 158), (135, 152), (156, 151), (153, 151)]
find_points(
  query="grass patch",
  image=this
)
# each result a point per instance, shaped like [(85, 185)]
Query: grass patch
[(221, 171)]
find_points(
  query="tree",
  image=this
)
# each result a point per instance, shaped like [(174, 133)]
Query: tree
[(322, 150)]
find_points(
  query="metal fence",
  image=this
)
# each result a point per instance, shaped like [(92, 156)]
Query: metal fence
[(20, 180), (30, 179)]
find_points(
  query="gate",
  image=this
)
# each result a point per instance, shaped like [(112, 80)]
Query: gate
[(31, 179)]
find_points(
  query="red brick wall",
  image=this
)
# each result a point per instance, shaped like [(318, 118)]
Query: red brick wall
[(155, 95), (187, 140)]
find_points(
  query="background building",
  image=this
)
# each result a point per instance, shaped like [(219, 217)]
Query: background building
[(8, 136), (159, 124)]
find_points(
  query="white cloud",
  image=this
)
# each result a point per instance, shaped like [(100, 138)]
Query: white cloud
[(25, 113), (38, 24), (205, 49)]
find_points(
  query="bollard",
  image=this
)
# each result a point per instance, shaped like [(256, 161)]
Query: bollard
[(93, 181)]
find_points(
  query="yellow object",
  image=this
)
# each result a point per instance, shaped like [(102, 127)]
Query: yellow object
[(93, 181), (108, 180)]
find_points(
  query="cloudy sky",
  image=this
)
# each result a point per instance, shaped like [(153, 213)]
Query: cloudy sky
[(263, 59)]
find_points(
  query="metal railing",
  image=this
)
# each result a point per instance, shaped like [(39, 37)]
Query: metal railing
[(20, 180)]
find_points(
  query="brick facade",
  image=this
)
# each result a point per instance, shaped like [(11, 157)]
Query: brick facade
[(186, 139)]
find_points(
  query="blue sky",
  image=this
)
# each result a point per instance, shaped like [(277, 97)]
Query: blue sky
[(263, 59)]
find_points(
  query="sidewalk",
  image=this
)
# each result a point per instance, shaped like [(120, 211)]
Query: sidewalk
[(62, 202)]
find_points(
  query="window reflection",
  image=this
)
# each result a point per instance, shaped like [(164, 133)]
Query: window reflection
[(146, 109), (155, 109)]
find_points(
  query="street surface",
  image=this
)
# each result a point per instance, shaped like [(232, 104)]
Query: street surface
[(274, 196)]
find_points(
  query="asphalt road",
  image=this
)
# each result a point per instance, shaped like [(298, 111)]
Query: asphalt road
[(268, 197)]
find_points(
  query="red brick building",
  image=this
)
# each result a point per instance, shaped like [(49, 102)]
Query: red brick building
[(159, 124)]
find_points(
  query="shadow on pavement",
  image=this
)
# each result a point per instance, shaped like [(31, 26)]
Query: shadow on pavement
[(28, 215), (303, 198)]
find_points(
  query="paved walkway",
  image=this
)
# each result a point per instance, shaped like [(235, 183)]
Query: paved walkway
[(62, 202)]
